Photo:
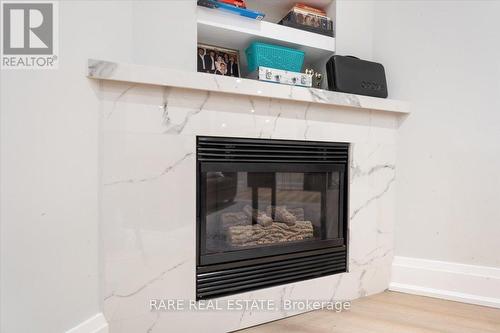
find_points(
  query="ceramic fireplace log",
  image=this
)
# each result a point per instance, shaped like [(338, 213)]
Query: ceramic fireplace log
[(262, 218), (278, 232), (234, 219), (240, 218), (282, 214)]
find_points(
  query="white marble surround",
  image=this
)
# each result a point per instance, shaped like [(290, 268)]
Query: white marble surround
[(148, 198)]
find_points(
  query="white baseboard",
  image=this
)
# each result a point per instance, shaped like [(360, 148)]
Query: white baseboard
[(452, 281), (95, 324)]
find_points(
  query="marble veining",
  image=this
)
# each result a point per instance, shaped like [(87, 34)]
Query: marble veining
[(375, 197), (177, 128), (150, 178), (306, 112), (356, 171), (148, 283), (100, 68), (149, 198), (153, 324)]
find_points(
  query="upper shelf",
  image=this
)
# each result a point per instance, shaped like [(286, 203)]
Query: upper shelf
[(236, 32), (106, 70)]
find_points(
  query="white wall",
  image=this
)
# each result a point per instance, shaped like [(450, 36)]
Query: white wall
[(164, 33), (444, 57), (354, 28), (49, 175)]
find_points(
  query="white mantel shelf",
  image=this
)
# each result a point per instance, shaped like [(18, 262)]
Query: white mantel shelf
[(107, 70)]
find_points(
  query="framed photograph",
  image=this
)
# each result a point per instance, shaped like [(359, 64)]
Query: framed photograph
[(218, 60)]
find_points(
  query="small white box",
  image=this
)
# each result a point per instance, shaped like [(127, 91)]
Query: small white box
[(284, 77)]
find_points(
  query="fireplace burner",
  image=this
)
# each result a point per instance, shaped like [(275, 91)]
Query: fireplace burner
[(269, 212)]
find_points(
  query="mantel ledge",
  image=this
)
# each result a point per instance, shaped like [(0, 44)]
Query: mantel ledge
[(108, 70)]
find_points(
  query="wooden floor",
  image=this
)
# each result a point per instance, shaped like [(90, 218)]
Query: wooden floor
[(391, 312)]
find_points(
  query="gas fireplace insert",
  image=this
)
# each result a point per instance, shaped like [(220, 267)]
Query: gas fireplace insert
[(269, 212)]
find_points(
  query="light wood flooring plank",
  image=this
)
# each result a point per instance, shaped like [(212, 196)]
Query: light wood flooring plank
[(392, 312)]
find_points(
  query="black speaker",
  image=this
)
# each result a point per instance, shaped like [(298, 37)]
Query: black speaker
[(349, 74)]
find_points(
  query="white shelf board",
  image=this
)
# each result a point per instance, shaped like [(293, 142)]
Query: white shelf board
[(150, 75), (224, 29)]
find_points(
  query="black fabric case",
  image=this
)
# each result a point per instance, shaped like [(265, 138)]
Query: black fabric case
[(355, 76)]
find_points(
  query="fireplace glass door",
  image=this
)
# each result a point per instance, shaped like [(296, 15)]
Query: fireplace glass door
[(253, 210)]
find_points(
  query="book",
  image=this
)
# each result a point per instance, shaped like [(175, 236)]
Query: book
[(305, 8), (253, 14), (256, 15), (305, 13), (236, 3), (207, 3)]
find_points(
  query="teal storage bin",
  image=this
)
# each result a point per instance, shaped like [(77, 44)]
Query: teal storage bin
[(274, 56)]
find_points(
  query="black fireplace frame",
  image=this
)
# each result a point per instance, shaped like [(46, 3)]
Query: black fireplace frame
[(319, 258)]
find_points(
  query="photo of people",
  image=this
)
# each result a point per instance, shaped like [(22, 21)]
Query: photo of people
[(216, 60)]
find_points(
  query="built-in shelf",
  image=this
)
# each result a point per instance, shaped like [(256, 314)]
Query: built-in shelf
[(224, 29), (137, 74)]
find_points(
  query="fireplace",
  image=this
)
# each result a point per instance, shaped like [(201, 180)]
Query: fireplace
[(269, 212)]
